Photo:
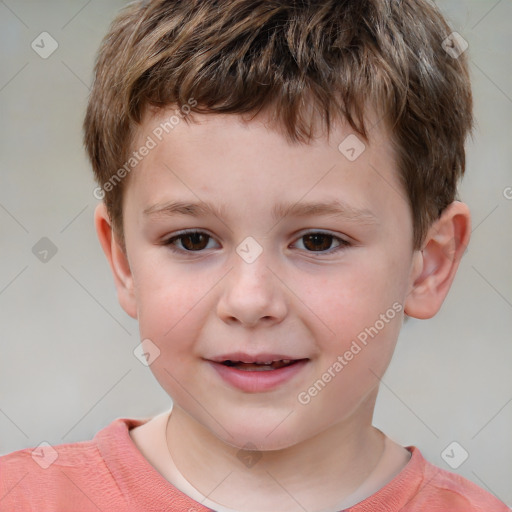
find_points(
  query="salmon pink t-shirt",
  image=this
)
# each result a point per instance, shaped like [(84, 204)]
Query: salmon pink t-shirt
[(110, 474)]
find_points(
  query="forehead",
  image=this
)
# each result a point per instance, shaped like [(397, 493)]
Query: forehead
[(172, 122), (193, 154)]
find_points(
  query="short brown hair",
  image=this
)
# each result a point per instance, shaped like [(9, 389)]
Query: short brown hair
[(338, 56)]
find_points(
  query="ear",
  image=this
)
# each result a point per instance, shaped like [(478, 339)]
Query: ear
[(117, 259), (435, 265)]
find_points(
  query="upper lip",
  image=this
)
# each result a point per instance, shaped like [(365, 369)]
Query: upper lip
[(263, 357)]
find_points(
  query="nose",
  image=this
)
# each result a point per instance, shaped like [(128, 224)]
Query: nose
[(252, 294)]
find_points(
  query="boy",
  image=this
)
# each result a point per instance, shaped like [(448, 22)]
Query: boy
[(231, 141)]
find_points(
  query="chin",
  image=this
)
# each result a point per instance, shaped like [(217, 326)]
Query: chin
[(257, 437)]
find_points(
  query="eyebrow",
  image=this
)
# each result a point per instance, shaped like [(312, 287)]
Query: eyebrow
[(333, 208)]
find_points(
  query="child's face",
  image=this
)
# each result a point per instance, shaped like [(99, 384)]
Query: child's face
[(333, 301)]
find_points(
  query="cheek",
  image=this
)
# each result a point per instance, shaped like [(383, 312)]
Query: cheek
[(353, 298), (169, 304), (170, 315)]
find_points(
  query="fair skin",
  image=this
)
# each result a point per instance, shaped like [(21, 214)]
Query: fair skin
[(298, 298)]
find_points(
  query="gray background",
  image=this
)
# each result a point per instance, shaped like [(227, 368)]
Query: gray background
[(66, 363)]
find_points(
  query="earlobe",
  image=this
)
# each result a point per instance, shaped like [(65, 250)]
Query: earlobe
[(435, 265), (117, 260)]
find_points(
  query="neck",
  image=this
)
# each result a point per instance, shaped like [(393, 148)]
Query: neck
[(316, 474)]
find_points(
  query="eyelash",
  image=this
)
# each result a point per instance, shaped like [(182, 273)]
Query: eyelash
[(343, 244)]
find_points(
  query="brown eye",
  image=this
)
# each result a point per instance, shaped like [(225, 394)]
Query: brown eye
[(191, 242), (318, 242), (195, 241)]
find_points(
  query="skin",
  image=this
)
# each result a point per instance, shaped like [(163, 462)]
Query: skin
[(292, 299)]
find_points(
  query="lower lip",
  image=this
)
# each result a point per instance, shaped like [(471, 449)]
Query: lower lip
[(258, 381)]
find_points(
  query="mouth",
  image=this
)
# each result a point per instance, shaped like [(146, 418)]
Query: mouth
[(258, 373), (263, 366)]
